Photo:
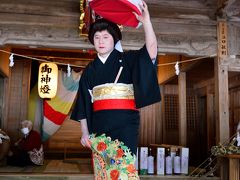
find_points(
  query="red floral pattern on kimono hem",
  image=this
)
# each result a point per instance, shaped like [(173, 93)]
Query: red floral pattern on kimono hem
[(112, 160)]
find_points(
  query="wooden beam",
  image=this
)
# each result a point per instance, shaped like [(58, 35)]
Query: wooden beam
[(182, 94), (232, 62), (203, 84), (231, 8), (68, 38)]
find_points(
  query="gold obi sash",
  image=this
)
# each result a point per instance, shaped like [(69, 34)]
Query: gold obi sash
[(113, 96)]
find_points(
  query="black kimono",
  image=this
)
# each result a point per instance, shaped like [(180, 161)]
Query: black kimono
[(121, 124)]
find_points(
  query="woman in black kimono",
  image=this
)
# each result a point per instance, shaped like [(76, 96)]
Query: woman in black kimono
[(116, 84)]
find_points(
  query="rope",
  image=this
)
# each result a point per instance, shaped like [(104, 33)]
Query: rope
[(164, 64), (185, 61), (37, 59)]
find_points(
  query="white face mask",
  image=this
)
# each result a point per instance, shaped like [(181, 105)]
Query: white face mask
[(25, 130)]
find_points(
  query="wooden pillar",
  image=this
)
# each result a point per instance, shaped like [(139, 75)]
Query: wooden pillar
[(221, 86), (221, 93), (182, 94), (234, 169), (221, 102), (5, 72)]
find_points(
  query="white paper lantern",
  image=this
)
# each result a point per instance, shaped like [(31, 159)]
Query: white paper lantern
[(47, 80)]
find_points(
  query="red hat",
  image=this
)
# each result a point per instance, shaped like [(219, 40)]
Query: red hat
[(118, 11)]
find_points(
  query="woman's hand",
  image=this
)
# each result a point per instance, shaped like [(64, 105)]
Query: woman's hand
[(85, 140), (85, 134), (17, 142), (145, 17), (150, 37)]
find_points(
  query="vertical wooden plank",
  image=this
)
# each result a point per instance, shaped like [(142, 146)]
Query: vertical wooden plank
[(159, 124), (26, 78), (234, 169), (150, 119), (18, 96), (6, 90), (210, 119), (182, 94), (221, 86), (5, 72), (221, 93), (163, 114)]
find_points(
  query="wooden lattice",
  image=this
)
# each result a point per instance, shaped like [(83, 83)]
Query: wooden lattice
[(171, 112)]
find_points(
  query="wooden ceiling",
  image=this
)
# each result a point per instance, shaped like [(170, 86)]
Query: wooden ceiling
[(182, 26), (49, 29)]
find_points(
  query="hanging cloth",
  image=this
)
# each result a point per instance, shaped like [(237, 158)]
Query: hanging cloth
[(57, 109)]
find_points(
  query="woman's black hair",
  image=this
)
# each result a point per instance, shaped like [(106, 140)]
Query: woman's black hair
[(101, 25)]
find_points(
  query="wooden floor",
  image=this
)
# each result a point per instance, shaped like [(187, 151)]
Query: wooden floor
[(80, 166), (65, 170), (90, 177)]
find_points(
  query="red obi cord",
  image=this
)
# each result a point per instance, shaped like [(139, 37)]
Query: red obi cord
[(108, 104)]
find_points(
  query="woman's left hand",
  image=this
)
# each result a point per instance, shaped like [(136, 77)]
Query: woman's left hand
[(145, 13)]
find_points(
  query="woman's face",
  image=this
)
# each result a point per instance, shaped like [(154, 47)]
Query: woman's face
[(103, 42), (25, 130)]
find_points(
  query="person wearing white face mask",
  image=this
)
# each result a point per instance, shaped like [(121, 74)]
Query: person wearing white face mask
[(25, 131), (28, 149)]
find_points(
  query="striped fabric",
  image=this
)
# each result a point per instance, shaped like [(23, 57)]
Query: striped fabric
[(35, 109), (56, 110)]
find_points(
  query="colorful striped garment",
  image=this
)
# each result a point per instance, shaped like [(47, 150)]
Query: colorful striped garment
[(56, 110), (48, 115)]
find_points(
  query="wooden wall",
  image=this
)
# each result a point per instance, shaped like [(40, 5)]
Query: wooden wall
[(234, 109), (68, 136), (151, 125), (17, 96), (196, 122), (4, 74)]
